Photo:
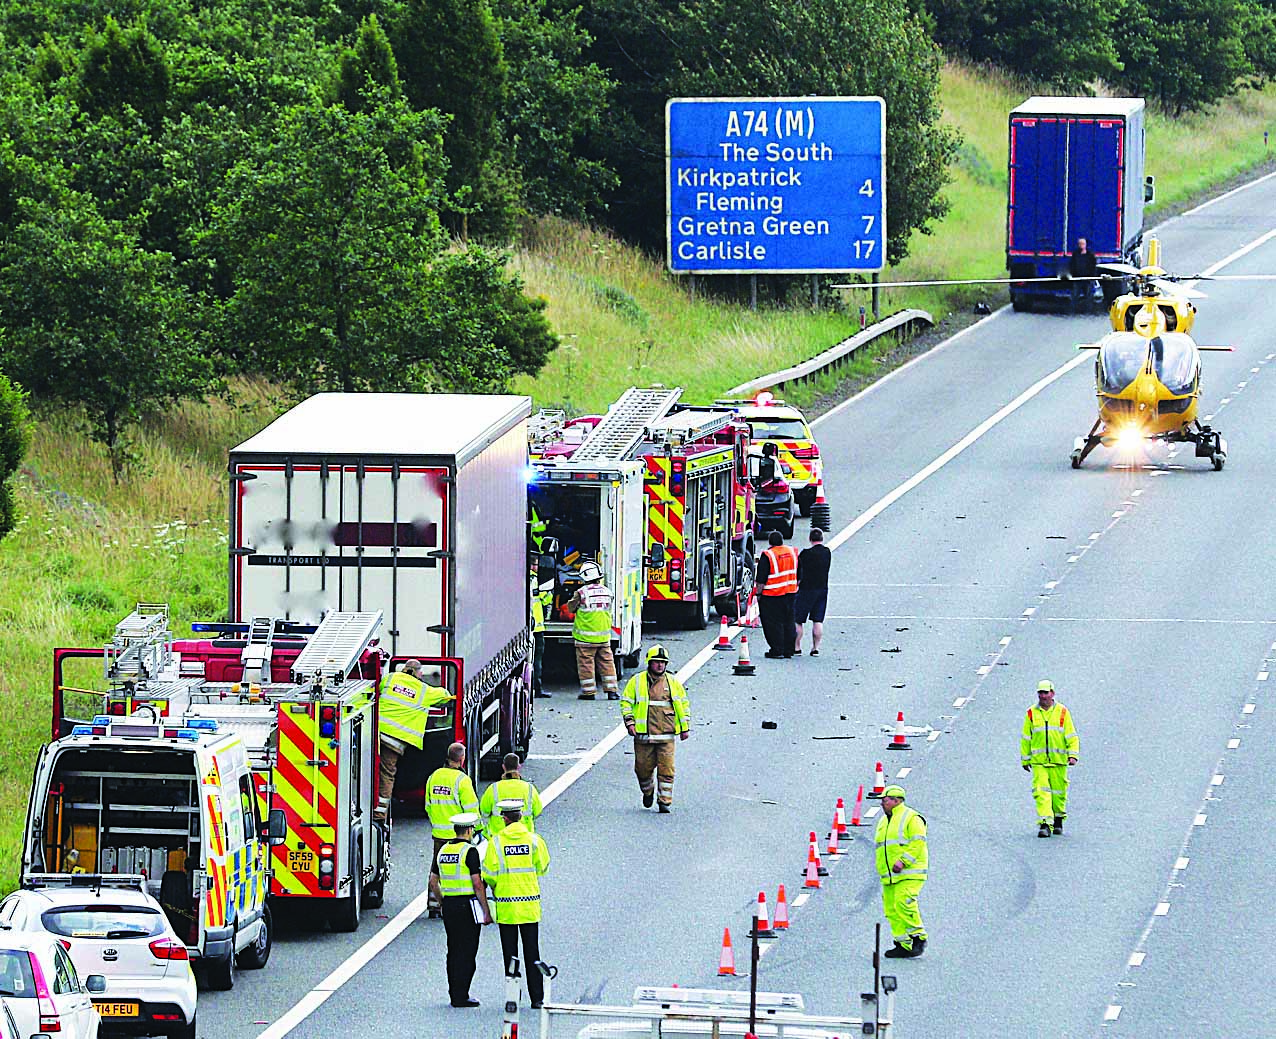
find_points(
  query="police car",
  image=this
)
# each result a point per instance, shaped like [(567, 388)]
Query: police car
[(771, 420), (111, 926)]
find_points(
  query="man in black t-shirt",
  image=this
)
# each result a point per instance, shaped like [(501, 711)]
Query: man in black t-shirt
[(813, 590)]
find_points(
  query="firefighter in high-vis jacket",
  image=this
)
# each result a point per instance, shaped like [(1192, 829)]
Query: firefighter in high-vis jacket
[(403, 711), (513, 864), (901, 866), (510, 787), (448, 793), (1048, 744), (656, 712), (591, 631)]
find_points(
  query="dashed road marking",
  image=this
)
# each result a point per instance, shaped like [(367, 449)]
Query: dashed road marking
[(1199, 820), (1233, 743), (1136, 959), (1112, 1013), (1162, 909), (1248, 708), (1181, 862)]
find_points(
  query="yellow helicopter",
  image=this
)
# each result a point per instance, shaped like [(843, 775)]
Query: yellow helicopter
[(1148, 370)]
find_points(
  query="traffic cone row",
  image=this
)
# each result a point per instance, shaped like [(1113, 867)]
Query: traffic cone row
[(813, 855)]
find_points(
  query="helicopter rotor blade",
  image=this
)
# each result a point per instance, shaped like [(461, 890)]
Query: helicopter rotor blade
[(1182, 291)]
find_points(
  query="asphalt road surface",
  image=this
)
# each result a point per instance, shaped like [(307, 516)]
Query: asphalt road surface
[(970, 562)]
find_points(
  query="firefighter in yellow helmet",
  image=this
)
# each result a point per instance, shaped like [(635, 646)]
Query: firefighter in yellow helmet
[(656, 712), (591, 631), (901, 866), (1049, 744)]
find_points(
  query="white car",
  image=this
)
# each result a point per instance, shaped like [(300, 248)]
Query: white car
[(41, 989), (111, 926)]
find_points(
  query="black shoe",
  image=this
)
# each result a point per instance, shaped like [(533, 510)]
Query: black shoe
[(797, 652), (542, 696), (648, 800), (613, 696), (465, 1003), (788, 656), (1043, 830), (537, 1004), (586, 696), (898, 952), (773, 656), (664, 809), (815, 652), (1058, 826), (919, 947), (435, 913)]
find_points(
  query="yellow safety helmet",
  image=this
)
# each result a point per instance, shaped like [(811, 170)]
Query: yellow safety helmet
[(657, 652), (894, 791), (1045, 686)]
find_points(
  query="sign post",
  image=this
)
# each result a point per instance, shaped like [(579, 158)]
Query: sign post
[(776, 185)]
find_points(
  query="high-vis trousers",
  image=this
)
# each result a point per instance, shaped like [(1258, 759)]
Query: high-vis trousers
[(899, 902), (1050, 791), (655, 758), (595, 658)]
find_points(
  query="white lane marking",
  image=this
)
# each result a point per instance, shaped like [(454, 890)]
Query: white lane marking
[(556, 757), (1218, 198), (1029, 611), (1233, 743), (1181, 862), (1225, 400), (1199, 820), (934, 735), (1262, 676), (1112, 1013), (1005, 641), (1248, 709), (960, 701), (1136, 959), (903, 772), (1217, 780), (1162, 909), (872, 812), (801, 899), (983, 670), (1051, 584), (870, 514), (1073, 559), (1096, 535), (1244, 250)]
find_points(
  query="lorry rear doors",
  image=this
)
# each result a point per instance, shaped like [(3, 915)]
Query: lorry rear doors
[(347, 537), (1095, 158)]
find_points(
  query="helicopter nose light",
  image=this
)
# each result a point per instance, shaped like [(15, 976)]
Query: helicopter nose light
[(1129, 438)]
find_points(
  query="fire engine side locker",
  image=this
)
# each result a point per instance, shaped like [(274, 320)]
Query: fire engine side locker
[(413, 504)]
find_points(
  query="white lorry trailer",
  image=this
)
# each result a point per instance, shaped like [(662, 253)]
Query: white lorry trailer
[(412, 504)]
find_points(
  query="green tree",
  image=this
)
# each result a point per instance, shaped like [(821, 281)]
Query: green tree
[(1187, 54), (557, 105), (326, 234), (369, 63), (482, 326), (451, 60), (15, 441), (93, 321), (1067, 43), (122, 67), (773, 48)]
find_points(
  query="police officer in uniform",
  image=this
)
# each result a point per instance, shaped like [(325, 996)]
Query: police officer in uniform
[(456, 879), (515, 861), (448, 793), (656, 712)]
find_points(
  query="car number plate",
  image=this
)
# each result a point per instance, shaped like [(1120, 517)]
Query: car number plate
[(117, 1009), (655, 573), (301, 861)]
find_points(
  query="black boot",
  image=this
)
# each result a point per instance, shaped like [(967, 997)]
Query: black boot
[(648, 799), (664, 809), (1043, 830), (919, 946), (1058, 825), (898, 952)]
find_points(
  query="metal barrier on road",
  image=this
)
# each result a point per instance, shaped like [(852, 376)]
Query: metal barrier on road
[(835, 356)]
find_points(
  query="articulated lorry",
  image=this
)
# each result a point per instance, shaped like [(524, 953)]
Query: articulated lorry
[(414, 505), (1076, 171)]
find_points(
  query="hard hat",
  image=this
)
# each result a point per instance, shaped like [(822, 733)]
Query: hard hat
[(590, 571), (657, 652), (465, 821), (894, 791), (1045, 686), (509, 806)]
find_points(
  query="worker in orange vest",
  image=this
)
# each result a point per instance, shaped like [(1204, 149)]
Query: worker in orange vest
[(777, 587)]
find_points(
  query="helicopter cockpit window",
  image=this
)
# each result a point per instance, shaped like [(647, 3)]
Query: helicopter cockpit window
[(1121, 357), (1175, 361)]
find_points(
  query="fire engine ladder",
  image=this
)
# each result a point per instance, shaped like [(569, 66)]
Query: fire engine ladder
[(686, 426), (256, 655), (141, 647), (333, 651), (625, 424)]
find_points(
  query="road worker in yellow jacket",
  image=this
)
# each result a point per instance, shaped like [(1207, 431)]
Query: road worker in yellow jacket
[(448, 793), (515, 861), (902, 862), (656, 712), (510, 787), (1047, 746)]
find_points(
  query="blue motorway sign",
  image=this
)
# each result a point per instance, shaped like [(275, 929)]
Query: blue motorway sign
[(776, 185)]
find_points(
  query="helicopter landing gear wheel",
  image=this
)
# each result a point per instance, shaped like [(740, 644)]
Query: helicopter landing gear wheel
[(1076, 458), (1218, 459)]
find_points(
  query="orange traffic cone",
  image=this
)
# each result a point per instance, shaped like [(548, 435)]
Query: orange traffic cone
[(833, 850), (761, 921), (900, 741), (726, 962), (879, 784), (781, 911), (752, 619), (724, 640), (812, 874), (743, 665), (821, 513), (857, 818), (839, 820), (813, 856)]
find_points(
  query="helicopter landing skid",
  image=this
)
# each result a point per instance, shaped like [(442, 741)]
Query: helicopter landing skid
[(1209, 443)]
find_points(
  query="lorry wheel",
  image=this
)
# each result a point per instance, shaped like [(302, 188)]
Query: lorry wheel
[(255, 956), (1020, 304), (343, 917)]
